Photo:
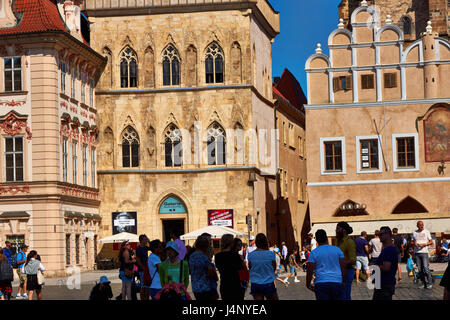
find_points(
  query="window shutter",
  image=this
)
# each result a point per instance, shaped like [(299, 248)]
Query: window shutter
[(348, 82), (335, 84), (370, 82)]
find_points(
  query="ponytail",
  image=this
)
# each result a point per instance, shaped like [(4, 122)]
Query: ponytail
[(31, 255)]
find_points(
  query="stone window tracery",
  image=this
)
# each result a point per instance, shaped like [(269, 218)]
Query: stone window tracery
[(216, 145), (128, 68), (173, 146), (130, 148), (171, 66), (214, 64)]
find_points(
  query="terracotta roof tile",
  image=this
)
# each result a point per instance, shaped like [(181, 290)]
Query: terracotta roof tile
[(37, 16)]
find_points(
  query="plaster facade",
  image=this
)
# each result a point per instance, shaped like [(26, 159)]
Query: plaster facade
[(390, 97)]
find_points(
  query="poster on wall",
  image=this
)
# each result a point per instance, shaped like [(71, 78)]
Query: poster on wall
[(220, 217), (124, 222)]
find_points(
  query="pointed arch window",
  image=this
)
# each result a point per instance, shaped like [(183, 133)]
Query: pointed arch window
[(130, 148), (128, 68), (216, 145), (171, 66), (173, 146), (214, 64)]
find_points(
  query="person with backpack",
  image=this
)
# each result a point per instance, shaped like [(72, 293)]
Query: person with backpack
[(141, 262), (6, 277), (8, 252), (154, 260), (18, 262), (174, 275), (102, 290)]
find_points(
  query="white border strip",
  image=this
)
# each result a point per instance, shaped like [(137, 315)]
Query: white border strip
[(364, 182)]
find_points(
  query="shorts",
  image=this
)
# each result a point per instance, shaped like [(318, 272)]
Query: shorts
[(123, 278), (362, 261), (292, 269), (22, 276), (266, 290)]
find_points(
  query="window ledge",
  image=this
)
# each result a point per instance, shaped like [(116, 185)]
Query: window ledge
[(13, 93), (84, 106), (73, 100), (64, 96)]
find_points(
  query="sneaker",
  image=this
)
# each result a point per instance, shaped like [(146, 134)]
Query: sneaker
[(422, 286), (429, 287), (25, 296), (19, 297), (286, 281), (296, 280)]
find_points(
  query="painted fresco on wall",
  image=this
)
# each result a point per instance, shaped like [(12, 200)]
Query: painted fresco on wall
[(437, 136)]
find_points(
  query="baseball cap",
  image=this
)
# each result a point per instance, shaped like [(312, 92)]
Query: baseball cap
[(23, 246), (252, 238)]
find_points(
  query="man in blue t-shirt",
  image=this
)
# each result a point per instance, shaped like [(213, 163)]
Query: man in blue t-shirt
[(388, 263), (328, 264), (21, 259), (7, 252), (141, 262), (362, 255)]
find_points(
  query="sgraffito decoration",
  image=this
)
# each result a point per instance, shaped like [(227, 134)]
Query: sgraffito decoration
[(437, 135)]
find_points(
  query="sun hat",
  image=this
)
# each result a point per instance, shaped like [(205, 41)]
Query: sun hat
[(172, 245), (104, 279)]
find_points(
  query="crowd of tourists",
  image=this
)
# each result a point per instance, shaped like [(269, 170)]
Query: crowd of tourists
[(164, 271), (29, 271)]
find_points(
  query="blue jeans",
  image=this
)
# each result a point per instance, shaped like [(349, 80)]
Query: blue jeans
[(329, 291), (423, 264), (348, 284)]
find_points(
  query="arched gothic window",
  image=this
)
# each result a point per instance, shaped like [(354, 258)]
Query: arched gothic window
[(406, 22), (173, 146), (216, 145), (214, 64), (128, 68), (171, 66), (130, 148)]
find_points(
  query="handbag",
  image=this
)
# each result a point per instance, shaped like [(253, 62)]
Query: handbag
[(128, 273), (40, 278)]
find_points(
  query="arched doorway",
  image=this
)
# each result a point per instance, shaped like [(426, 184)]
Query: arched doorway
[(173, 214)]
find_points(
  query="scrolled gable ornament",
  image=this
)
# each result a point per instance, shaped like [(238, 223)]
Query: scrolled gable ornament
[(12, 125)]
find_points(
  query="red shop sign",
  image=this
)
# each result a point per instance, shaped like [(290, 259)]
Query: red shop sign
[(220, 217)]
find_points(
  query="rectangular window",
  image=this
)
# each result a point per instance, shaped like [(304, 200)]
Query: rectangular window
[(367, 81), (333, 155), (74, 162), (369, 154), (67, 249), (77, 249), (83, 88), (300, 146), (91, 92), (342, 83), (291, 136), (74, 77), (65, 154), (13, 74), (406, 157), (63, 73), (14, 159), (390, 80), (85, 174), (285, 133), (286, 186), (93, 172)]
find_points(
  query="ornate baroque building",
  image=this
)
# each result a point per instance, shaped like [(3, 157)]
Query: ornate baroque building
[(185, 105), (378, 128), (48, 191)]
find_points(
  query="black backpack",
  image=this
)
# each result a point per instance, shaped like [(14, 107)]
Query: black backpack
[(6, 272)]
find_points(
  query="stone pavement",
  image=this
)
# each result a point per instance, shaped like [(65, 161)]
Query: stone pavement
[(65, 289)]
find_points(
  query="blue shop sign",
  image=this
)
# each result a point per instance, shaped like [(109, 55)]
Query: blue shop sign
[(172, 205)]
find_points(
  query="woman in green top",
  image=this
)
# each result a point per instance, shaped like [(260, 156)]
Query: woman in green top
[(348, 247), (169, 270)]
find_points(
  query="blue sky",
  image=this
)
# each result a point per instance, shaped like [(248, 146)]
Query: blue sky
[(303, 24)]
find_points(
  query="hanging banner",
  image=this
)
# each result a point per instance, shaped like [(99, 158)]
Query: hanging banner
[(124, 222), (220, 217)]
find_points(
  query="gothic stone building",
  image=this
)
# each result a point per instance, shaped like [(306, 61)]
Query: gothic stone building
[(187, 88), (48, 191), (378, 128)]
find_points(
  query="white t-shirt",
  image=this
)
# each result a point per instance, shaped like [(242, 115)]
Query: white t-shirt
[(421, 238), (313, 244), (376, 245), (303, 255), (250, 249)]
